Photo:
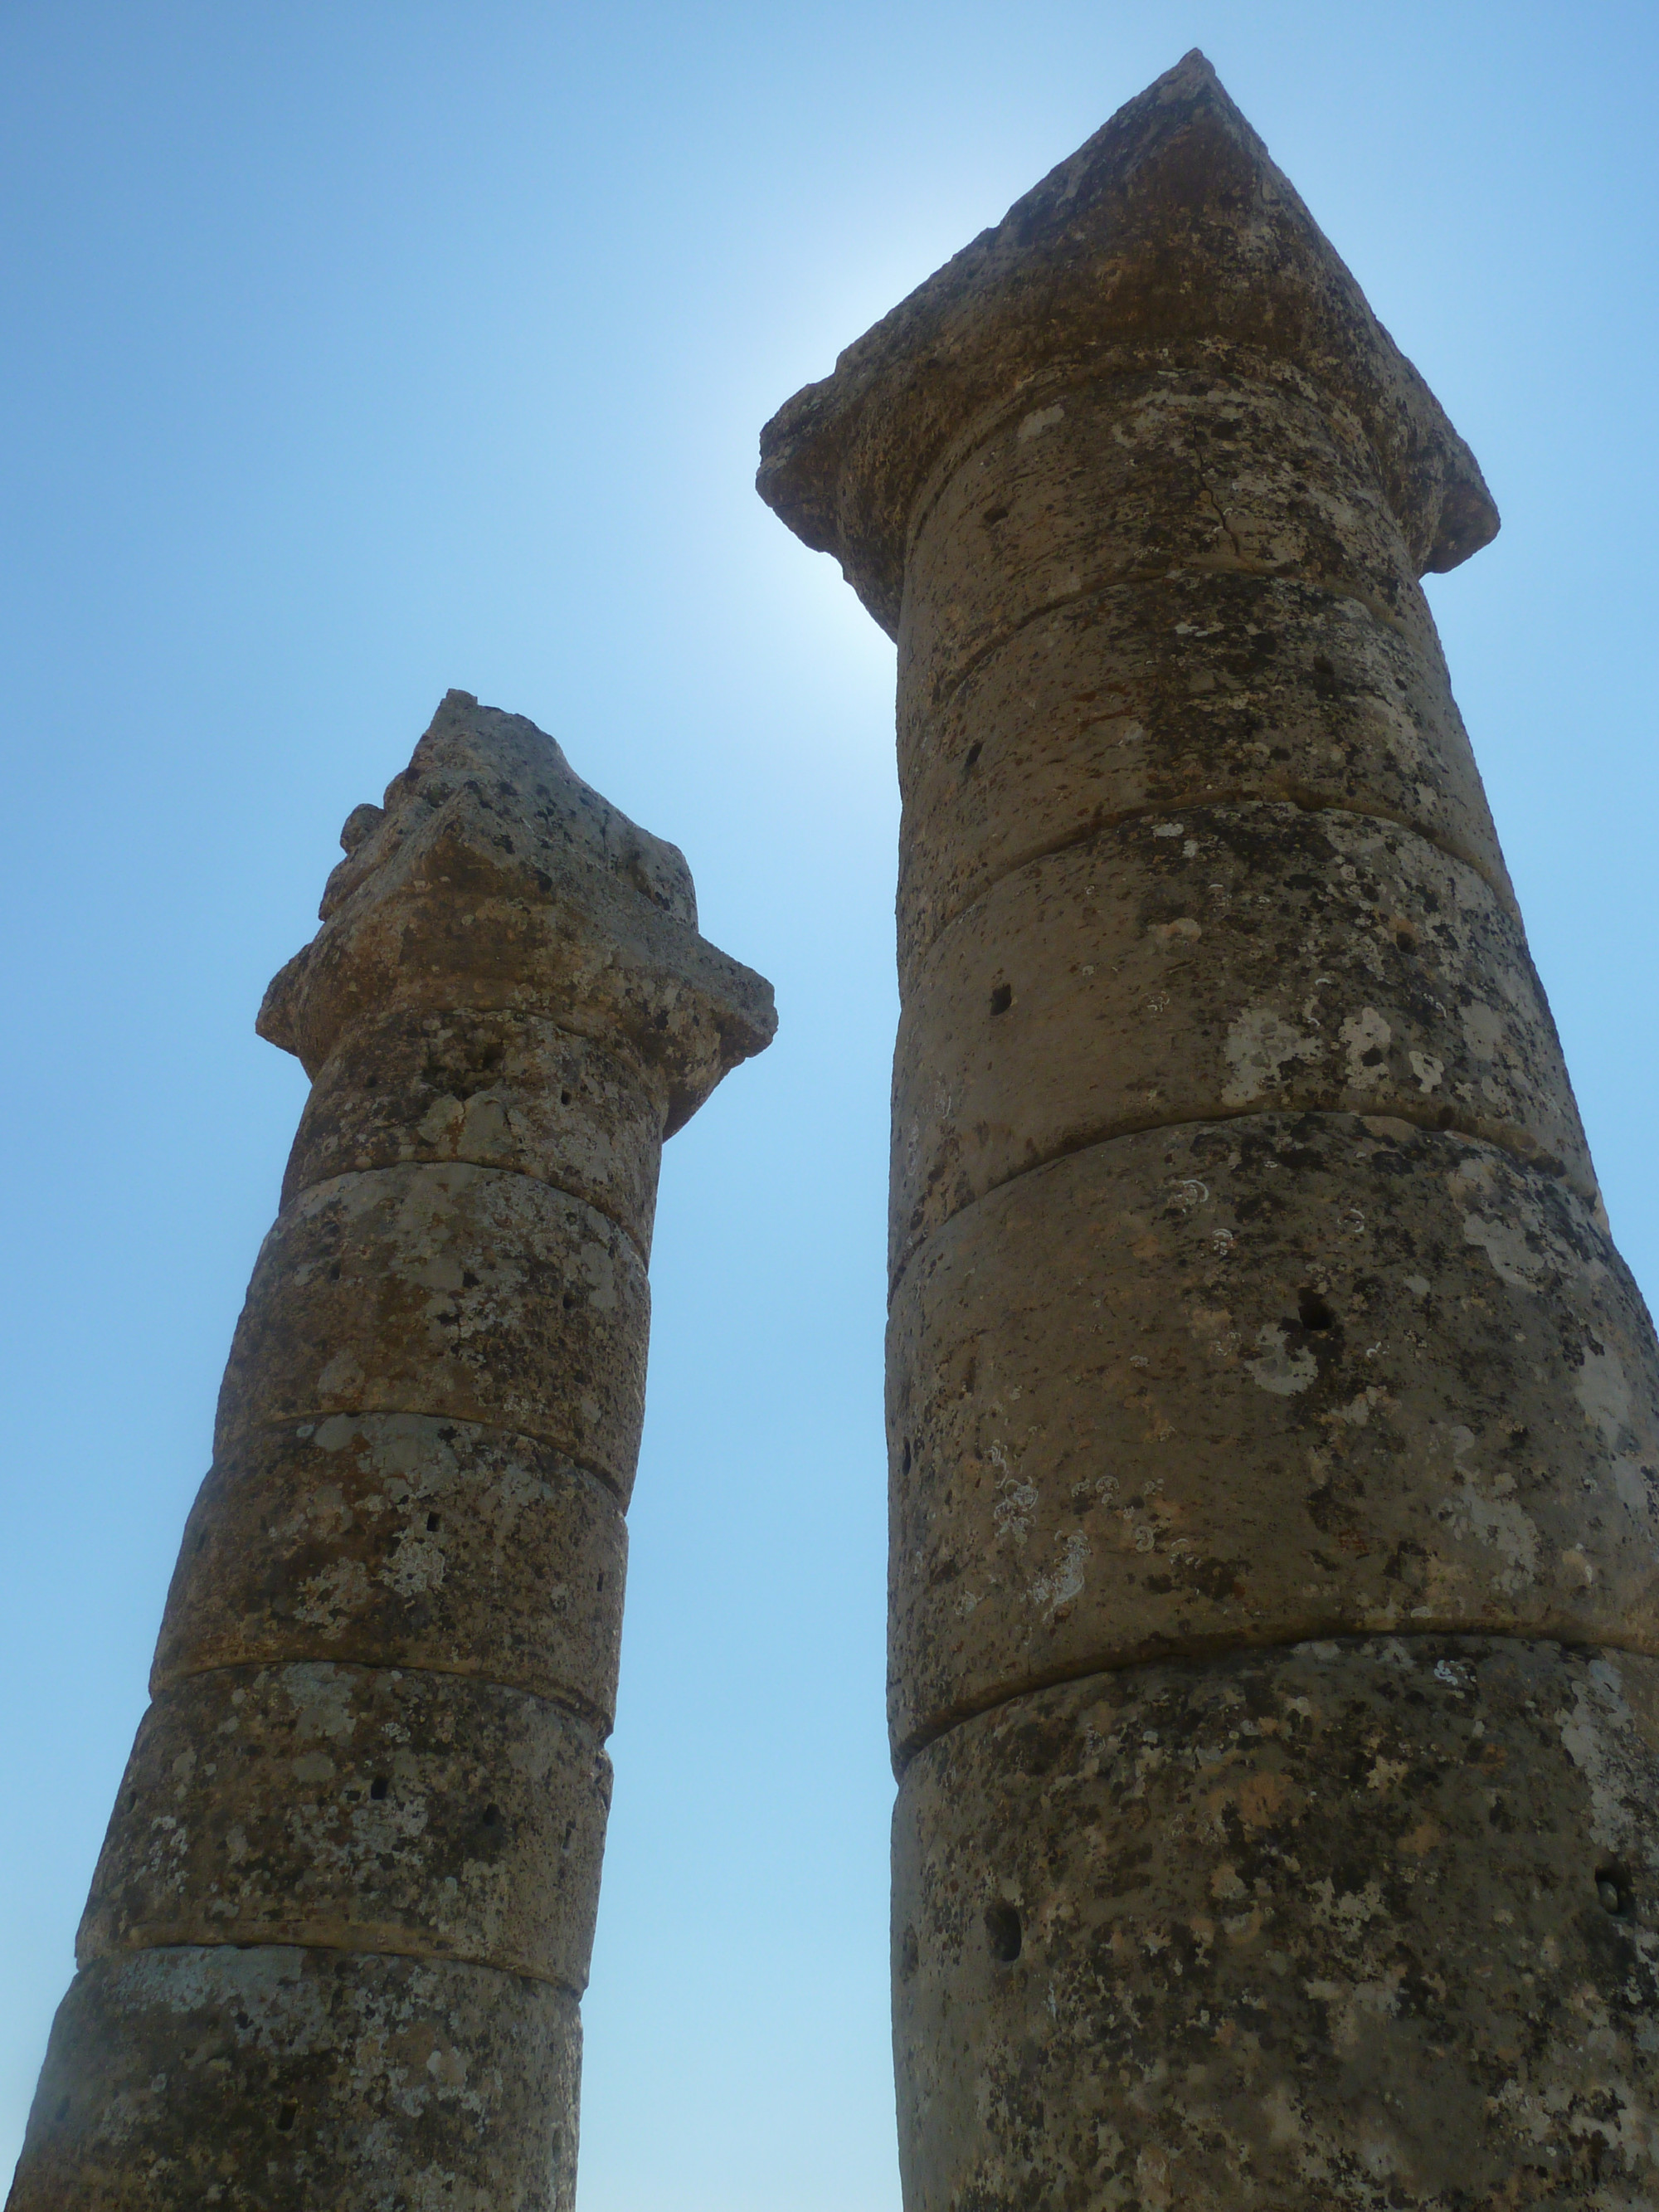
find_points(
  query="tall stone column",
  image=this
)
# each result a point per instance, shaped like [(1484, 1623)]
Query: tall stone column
[(340, 1926), (1273, 1425)]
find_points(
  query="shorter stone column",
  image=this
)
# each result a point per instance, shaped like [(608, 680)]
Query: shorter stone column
[(340, 1926)]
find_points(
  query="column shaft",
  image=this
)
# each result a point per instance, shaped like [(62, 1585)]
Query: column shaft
[(1273, 1427), (341, 1923)]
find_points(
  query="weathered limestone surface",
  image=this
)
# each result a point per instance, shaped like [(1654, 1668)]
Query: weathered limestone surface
[(1371, 1924), (1236, 465), (456, 1291), (342, 1916), (1220, 960), (397, 1539), (1191, 688), (503, 1090), (1255, 1381), (1170, 240), (274, 2080), (1250, 1280), (495, 881), (358, 1808)]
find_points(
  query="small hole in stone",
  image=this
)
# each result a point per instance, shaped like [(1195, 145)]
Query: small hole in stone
[(564, 1099), (993, 515), (1312, 1311), (909, 1955), (1613, 1887), (492, 1815), (569, 1300), (286, 2116), (601, 1583), (1322, 666), (970, 758), (431, 1524), (904, 1458), (1004, 1933), (1002, 998), (1406, 939), (61, 2114), (378, 1787)]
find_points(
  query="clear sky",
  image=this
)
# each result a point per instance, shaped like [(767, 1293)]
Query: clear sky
[(360, 347)]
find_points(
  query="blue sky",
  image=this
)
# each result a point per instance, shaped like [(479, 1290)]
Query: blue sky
[(357, 351)]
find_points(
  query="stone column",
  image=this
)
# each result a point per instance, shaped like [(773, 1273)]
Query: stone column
[(1273, 1425), (340, 1926)]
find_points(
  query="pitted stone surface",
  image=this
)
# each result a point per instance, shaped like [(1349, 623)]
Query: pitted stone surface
[(270, 2080), (464, 1292), (1192, 834), (1172, 228), (395, 1540), (357, 1809), (501, 1091), (1233, 467), (389, 1658), (505, 760), (1197, 688), (494, 879), (1368, 1926), (1220, 960), (1258, 1379)]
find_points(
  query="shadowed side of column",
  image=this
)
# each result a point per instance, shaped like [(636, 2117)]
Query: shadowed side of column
[(1273, 1427), (340, 1926)]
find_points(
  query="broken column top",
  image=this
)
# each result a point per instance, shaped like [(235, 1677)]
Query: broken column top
[(1171, 235), (519, 772), (494, 879)]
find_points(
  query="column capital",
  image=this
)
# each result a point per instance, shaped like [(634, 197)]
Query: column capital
[(1171, 237), (494, 879)]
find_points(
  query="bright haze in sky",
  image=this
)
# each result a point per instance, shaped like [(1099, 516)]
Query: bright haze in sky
[(360, 350)]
